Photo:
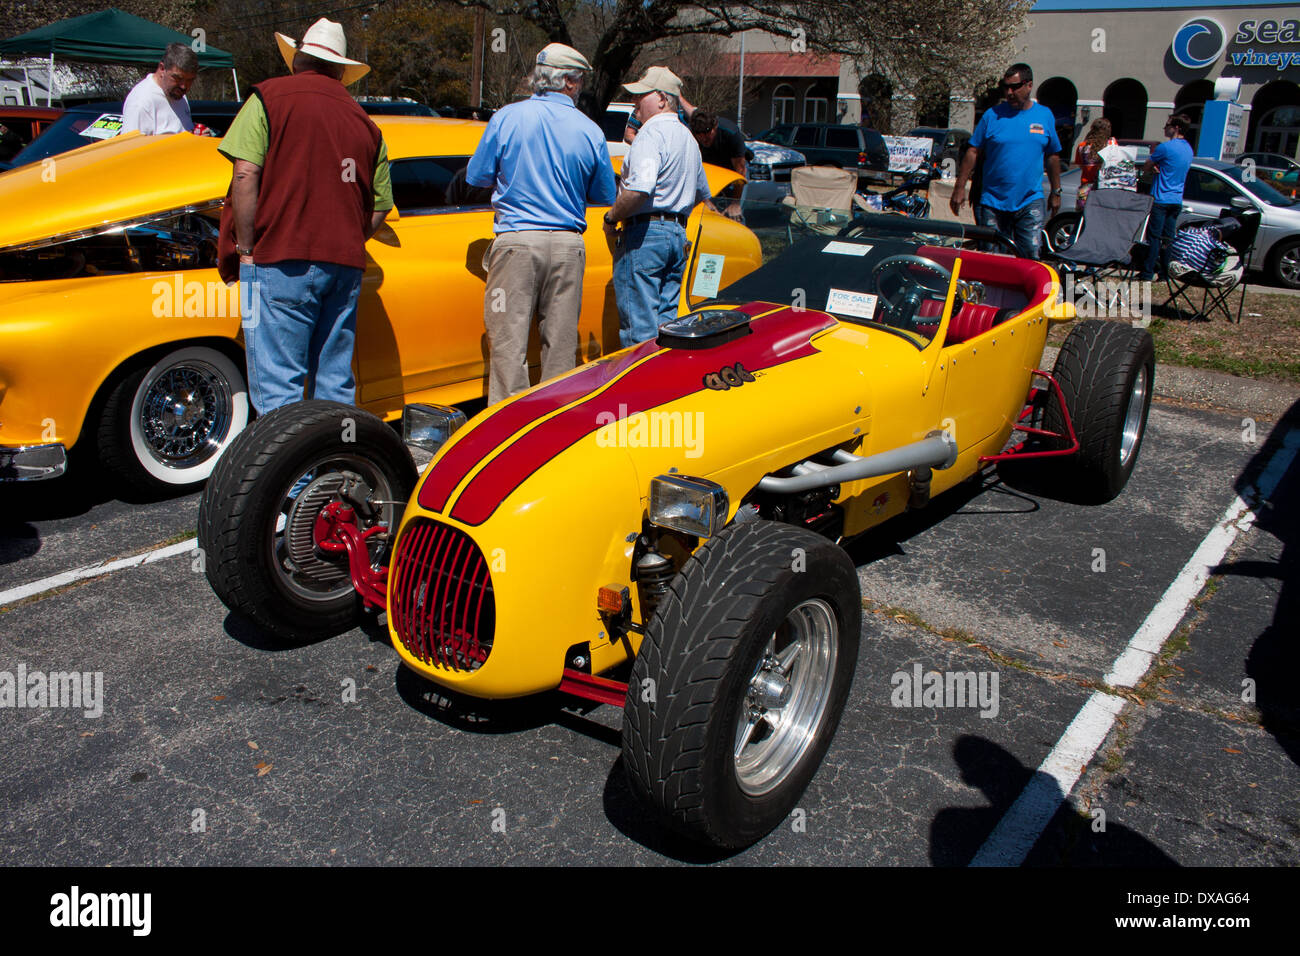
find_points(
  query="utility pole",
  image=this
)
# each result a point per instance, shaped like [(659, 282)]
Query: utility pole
[(476, 61)]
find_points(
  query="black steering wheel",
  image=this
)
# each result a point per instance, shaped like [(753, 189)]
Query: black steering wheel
[(902, 283)]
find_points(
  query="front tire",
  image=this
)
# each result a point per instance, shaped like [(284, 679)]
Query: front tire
[(1107, 373), (1062, 229), (740, 681), (165, 424), (257, 514)]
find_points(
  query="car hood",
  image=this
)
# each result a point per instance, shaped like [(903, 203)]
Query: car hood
[(771, 153), (117, 180)]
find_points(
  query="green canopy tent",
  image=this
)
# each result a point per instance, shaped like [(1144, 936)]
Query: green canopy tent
[(109, 36)]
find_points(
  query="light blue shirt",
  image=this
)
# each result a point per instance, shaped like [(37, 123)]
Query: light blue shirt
[(1173, 159), (546, 162), (1016, 143)]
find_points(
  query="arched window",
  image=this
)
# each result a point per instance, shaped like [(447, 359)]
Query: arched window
[(1061, 97), (1125, 105), (783, 105), (1190, 101), (1275, 118)]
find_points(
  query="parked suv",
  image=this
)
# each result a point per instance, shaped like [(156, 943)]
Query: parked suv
[(830, 144)]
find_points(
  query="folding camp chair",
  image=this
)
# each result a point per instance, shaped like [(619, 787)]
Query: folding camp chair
[(820, 200), (1114, 221), (1216, 289)]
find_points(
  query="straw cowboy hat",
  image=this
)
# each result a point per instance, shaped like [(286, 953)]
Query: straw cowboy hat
[(324, 40)]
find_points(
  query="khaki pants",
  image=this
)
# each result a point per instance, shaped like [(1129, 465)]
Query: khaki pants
[(531, 271)]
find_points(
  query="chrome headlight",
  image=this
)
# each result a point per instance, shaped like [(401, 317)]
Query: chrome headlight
[(692, 506), (426, 428)]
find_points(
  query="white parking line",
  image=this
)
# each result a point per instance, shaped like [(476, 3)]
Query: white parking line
[(1018, 831), (94, 571)]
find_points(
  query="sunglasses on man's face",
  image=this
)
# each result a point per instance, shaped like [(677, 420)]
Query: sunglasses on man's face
[(1005, 86)]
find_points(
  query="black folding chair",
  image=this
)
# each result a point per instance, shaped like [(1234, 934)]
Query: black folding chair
[(1215, 290), (1114, 221), (1105, 246)]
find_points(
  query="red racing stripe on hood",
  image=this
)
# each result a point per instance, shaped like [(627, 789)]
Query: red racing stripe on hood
[(488, 434), (774, 340)]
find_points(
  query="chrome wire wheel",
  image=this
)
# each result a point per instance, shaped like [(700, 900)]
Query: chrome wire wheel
[(786, 698), (305, 570), (180, 415), (1134, 418), (185, 413)]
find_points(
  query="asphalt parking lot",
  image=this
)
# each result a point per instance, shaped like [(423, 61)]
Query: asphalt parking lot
[(216, 746)]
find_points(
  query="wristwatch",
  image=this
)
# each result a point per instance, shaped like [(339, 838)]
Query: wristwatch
[(1056, 191), (609, 220), (244, 252)]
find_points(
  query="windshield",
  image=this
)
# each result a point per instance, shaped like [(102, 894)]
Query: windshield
[(1258, 187), (69, 131)]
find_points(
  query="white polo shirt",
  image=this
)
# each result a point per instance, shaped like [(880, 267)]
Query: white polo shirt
[(150, 110), (664, 163)]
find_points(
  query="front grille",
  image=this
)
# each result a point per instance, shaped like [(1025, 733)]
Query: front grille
[(442, 604)]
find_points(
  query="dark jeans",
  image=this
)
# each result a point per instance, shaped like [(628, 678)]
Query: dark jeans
[(1160, 233)]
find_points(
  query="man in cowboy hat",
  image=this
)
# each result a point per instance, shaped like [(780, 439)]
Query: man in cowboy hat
[(663, 179), (310, 186), (546, 162)]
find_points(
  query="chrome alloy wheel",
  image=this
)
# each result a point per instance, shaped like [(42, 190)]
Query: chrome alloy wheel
[(786, 698), (1137, 402), (1288, 267), (302, 567)]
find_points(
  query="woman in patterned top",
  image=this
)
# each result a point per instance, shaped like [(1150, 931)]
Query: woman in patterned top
[(1088, 157)]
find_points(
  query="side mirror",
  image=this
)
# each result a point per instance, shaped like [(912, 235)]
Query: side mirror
[(1241, 202)]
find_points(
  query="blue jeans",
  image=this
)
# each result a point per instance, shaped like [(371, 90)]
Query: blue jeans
[(648, 266), (300, 321), (1022, 226), (1160, 233)]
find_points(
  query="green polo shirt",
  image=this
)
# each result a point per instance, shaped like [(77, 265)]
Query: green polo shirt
[(249, 136)]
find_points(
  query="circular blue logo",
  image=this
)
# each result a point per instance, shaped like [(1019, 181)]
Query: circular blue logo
[(1199, 42)]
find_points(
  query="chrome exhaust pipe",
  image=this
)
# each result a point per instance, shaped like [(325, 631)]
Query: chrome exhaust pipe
[(936, 450)]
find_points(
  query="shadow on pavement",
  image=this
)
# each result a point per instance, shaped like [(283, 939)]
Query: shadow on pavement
[(1274, 657), (958, 833)]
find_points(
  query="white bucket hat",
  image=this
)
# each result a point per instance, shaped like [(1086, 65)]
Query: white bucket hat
[(324, 40)]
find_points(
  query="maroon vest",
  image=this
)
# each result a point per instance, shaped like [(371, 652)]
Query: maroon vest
[(316, 194)]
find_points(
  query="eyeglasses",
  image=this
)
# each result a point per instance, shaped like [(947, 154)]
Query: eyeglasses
[(1005, 86)]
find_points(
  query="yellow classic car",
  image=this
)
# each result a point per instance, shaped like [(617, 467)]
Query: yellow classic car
[(116, 332)]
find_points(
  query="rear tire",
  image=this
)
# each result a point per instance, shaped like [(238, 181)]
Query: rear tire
[(257, 512), (761, 609), (1107, 373)]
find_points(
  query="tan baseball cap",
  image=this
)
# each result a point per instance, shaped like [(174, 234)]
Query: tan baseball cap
[(657, 78), (562, 57)]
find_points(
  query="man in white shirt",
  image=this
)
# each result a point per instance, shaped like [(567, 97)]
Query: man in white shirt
[(663, 178), (157, 104)]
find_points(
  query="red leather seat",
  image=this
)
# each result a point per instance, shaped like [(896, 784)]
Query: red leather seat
[(971, 320)]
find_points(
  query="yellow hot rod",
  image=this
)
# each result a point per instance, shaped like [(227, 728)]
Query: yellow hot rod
[(118, 337), (659, 529)]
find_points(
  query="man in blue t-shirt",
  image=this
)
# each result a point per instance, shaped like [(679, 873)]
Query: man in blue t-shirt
[(1171, 161), (1015, 140)]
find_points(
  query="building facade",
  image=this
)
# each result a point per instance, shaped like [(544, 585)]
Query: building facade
[(1133, 63)]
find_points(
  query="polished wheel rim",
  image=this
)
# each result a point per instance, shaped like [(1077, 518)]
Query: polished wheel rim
[(786, 698), (185, 414), (302, 568), (1137, 401), (1289, 266)]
